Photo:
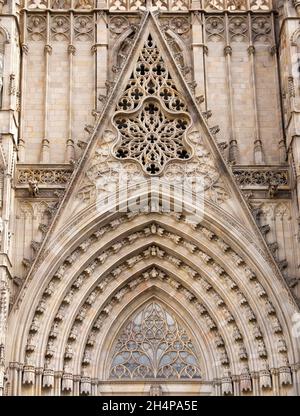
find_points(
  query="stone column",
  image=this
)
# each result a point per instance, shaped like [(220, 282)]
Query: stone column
[(38, 380), (199, 52), (275, 381), (70, 151), (236, 385), (24, 48), (19, 380), (101, 56), (232, 136), (13, 373), (255, 383), (76, 385), (57, 383), (258, 153), (217, 387), (45, 151)]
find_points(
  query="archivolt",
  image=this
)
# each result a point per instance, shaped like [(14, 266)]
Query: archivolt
[(4, 36), (147, 251), (111, 267), (295, 38), (179, 50), (120, 49)]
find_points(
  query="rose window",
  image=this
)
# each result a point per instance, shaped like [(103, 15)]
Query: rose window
[(151, 116)]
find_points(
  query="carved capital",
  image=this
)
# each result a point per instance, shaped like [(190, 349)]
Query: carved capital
[(39, 371), (48, 49), (71, 50), (274, 371), (273, 50), (25, 48), (251, 50), (228, 50), (297, 6)]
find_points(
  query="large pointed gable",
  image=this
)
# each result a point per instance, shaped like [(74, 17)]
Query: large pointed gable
[(151, 125), (141, 268), (150, 76)]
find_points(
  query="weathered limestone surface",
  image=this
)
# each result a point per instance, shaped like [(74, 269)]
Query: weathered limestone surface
[(77, 278)]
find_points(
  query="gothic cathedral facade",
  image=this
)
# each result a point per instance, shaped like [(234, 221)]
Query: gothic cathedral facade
[(150, 197)]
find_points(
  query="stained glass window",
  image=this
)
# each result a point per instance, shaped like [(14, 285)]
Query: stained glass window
[(154, 345)]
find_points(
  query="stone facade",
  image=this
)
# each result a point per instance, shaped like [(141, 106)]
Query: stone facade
[(96, 299)]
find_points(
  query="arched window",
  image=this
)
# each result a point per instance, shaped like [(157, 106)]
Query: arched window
[(153, 344)]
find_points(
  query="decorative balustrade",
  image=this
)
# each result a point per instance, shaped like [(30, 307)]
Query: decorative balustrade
[(58, 175), (237, 5), (261, 176), (132, 5)]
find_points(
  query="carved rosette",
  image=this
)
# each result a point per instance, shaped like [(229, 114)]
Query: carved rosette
[(215, 28), (152, 136), (36, 27)]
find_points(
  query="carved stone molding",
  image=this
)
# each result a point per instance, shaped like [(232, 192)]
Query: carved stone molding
[(248, 177), (154, 5), (177, 33), (48, 176), (215, 29), (297, 6), (83, 28), (238, 5), (36, 27), (153, 229), (60, 4), (238, 28), (60, 28), (261, 29)]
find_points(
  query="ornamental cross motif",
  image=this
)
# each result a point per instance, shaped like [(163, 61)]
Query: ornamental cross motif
[(151, 116)]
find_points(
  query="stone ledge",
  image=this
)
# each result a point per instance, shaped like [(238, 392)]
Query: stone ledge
[(261, 177), (46, 176)]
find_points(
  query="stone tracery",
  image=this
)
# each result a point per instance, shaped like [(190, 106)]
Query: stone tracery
[(152, 138), (153, 345), (108, 262), (173, 5), (72, 342), (151, 77), (249, 313), (153, 134)]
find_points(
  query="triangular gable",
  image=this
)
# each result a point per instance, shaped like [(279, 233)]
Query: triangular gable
[(192, 146)]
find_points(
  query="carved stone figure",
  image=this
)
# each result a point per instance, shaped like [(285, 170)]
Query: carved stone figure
[(84, 4), (163, 259), (33, 187), (59, 4), (2, 3)]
